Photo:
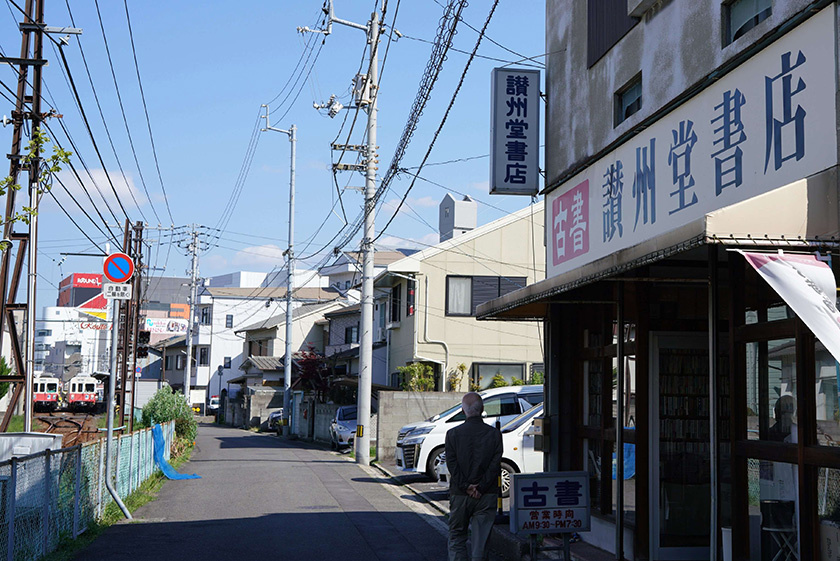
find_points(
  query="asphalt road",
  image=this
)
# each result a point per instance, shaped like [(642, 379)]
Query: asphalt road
[(261, 497)]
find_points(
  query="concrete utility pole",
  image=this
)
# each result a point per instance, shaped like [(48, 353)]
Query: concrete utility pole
[(193, 248), (368, 98), (290, 276)]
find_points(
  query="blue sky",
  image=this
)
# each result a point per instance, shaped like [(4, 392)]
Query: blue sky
[(206, 68)]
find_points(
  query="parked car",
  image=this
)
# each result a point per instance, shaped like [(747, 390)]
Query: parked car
[(343, 426), (213, 406), (519, 455), (420, 445), (274, 419)]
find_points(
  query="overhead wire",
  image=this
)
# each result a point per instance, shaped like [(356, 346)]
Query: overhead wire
[(101, 112), (125, 119), (445, 115), (146, 112)]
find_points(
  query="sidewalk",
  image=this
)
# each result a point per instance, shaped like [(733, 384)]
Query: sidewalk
[(263, 498), (503, 543)]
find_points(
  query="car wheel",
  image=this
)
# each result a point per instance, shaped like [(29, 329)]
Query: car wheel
[(507, 470), (433, 462)]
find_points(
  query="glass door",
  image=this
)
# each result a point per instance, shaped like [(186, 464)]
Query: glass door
[(680, 474)]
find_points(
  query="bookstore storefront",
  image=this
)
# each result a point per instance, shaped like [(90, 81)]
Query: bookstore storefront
[(703, 406), (724, 404)]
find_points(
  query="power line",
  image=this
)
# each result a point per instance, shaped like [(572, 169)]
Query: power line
[(99, 107), (146, 111), (445, 115), (125, 119), (87, 126)]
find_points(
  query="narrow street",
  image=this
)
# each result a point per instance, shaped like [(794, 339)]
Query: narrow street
[(261, 497)]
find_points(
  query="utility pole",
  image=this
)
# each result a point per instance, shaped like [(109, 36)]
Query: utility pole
[(369, 99), (290, 276), (137, 283), (33, 30), (193, 248)]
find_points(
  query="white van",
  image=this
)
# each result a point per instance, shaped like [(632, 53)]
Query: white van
[(420, 445)]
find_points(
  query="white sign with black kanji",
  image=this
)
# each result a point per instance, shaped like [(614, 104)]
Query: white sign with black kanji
[(113, 291)]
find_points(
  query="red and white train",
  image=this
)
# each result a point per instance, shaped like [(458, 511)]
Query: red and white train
[(83, 393), (47, 393)]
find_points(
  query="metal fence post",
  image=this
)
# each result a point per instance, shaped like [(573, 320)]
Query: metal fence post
[(78, 494), (100, 480), (117, 463), (10, 553), (45, 513), (130, 463)]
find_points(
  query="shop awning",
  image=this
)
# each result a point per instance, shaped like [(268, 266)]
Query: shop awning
[(801, 214)]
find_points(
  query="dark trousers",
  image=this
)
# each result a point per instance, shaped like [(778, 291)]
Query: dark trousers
[(477, 516)]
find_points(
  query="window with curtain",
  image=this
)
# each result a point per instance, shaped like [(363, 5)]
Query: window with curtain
[(458, 296)]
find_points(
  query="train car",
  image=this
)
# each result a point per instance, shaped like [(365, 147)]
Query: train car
[(46, 393), (82, 394)]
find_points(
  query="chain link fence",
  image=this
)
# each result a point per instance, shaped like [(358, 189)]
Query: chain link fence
[(56, 494)]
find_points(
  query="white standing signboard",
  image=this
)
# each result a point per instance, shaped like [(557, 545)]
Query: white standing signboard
[(549, 503), (114, 291), (765, 124), (515, 132)]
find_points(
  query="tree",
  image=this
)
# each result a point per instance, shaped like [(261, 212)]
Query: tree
[(5, 370)]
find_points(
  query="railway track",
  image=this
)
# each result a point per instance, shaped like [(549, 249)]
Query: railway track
[(74, 427)]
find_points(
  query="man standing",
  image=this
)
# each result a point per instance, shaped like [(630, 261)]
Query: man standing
[(473, 457)]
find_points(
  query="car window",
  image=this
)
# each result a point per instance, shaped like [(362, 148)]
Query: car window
[(533, 398), (525, 417), (501, 405), (347, 414)]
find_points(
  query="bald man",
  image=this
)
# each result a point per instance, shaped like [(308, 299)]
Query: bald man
[(473, 457)]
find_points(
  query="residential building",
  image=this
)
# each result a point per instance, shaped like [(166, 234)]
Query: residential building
[(345, 273), (691, 152), (432, 295), (220, 312)]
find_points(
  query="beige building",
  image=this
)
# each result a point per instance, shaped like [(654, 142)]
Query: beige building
[(429, 314)]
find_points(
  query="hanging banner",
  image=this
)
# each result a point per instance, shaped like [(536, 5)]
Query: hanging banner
[(807, 285)]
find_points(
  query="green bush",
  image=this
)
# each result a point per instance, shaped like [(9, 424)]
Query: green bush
[(417, 377), (517, 382), (167, 406), (498, 381), (538, 378)]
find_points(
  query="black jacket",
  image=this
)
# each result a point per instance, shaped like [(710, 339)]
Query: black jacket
[(473, 456)]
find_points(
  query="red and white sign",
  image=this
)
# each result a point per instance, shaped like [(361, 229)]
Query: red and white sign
[(808, 286), (569, 216), (87, 280), (95, 326)]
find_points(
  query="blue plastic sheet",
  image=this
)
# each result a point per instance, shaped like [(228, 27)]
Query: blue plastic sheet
[(629, 460), (160, 446)]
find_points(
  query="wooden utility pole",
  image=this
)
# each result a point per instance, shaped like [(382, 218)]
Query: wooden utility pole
[(10, 278)]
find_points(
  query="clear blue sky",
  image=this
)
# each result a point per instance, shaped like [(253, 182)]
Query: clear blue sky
[(206, 68)]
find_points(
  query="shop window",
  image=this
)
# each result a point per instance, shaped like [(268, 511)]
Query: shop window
[(606, 23), (827, 402), (229, 321), (773, 488), (628, 100), (227, 362), (771, 389), (828, 509), (396, 299), (743, 15), (203, 356)]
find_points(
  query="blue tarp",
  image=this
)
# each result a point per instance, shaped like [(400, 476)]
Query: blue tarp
[(160, 460), (629, 460)]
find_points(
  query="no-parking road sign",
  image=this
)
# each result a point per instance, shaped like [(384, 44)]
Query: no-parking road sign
[(118, 268)]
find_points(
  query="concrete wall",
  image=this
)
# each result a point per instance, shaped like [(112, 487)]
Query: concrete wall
[(397, 409), (324, 414), (261, 403)]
